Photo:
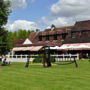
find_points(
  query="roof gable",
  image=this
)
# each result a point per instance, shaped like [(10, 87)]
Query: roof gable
[(27, 41), (82, 25)]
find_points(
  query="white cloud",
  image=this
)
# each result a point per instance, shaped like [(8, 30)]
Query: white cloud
[(60, 22), (21, 24), (69, 8), (63, 12), (67, 12), (18, 3)]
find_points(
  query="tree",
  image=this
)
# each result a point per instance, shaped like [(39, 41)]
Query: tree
[(4, 13)]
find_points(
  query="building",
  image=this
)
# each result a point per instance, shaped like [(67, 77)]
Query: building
[(76, 35), (80, 33)]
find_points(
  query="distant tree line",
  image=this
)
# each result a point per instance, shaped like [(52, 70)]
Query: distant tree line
[(19, 34)]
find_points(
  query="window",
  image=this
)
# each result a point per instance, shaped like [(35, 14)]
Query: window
[(80, 33), (47, 37), (63, 36), (83, 33), (55, 37)]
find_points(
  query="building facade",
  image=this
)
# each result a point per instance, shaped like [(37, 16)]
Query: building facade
[(75, 35)]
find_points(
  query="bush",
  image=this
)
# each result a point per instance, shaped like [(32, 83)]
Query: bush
[(40, 57), (52, 59), (37, 60)]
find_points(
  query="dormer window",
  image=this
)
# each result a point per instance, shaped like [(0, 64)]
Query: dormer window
[(55, 37), (80, 33), (40, 38), (73, 35), (83, 33), (63, 36), (47, 37)]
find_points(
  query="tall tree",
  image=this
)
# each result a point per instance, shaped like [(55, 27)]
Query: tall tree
[(4, 13)]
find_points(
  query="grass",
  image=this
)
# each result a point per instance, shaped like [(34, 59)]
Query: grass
[(66, 77)]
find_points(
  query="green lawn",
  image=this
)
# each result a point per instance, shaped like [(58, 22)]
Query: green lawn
[(66, 77)]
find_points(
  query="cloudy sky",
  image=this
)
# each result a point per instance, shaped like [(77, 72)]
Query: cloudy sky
[(33, 14)]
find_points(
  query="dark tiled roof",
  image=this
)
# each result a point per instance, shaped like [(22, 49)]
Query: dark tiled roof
[(32, 36), (60, 28), (18, 41), (56, 30), (82, 25), (42, 43), (78, 38)]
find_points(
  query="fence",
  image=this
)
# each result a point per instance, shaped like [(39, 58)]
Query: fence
[(65, 57), (23, 58), (17, 58)]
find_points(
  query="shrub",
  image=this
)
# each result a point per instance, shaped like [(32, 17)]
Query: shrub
[(40, 57)]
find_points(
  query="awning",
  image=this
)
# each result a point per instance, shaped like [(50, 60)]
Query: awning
[(76, 46), (32, 48), (37, 48), (18, 49), (55, 47)]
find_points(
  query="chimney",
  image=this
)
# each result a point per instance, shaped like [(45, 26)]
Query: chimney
[(53, 27), (37, 30)]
